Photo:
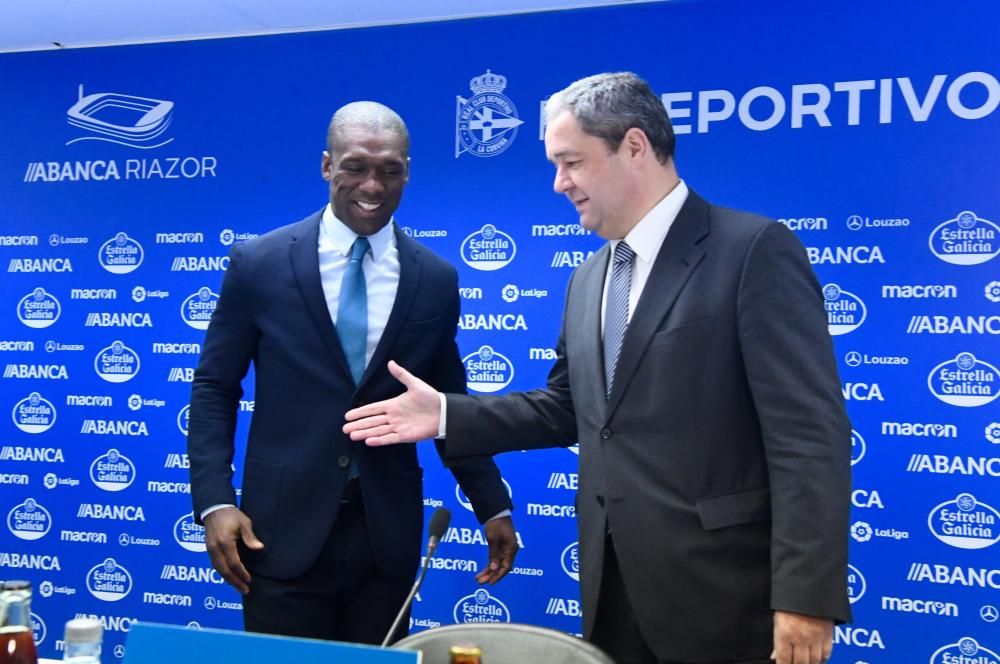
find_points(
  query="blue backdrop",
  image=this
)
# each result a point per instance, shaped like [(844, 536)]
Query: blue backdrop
[(128, 173)]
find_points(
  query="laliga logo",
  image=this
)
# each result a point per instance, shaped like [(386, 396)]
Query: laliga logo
[(29, 520), (486, 124), (120, 118), (120, 255), (845, 312), (109, 581), (38, 309), (487, 370), (117, 363), (227, 236), (510, 293), (112, 471), (993, 432), (858, 447), (965, 240), (197, 308), (480, 607), (992, 291), (964, 523), (467, 504), (856, 585), (963, 652), (183, 417), (488, 249), (34, 414), (964, 381), (189, 535), (571, 561)]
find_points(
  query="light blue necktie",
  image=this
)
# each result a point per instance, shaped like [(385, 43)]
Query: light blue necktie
[(616, 311), (352, 319)]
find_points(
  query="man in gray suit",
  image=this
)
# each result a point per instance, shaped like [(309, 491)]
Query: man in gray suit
[(695, 369)]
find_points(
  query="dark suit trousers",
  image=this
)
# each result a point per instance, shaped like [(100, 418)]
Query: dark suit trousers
[(340, 598)]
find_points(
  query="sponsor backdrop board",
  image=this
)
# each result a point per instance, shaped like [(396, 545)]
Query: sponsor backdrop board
[(130, 172)]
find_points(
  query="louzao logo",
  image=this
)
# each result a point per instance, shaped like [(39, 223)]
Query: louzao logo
[(121, 254), (481, 607), (183, 417), (112, 471), (845, 312), (486, 124), (964, 381), (965, 240), (189, 535), (197, 308), (34, 414), (38, 309), (487, 370), (965, 523), (856, 584), (488, 249), (119, 118), (117, 363), (571, 561), (29, 520), (966, 651), (108, 581), (858, 447)]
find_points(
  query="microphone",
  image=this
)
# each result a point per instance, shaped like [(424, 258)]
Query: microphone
[(439, 525)]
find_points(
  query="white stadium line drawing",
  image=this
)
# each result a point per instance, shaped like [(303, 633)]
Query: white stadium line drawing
[(120, 118)]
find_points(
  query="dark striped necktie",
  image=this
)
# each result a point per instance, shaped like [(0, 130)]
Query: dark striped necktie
[(616, 311)]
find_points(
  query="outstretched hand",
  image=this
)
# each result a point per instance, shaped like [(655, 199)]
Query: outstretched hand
[(413, 415)]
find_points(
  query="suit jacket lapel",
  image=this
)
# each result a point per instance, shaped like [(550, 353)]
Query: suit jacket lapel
[(304, 254), (680, 254), (592, 289)]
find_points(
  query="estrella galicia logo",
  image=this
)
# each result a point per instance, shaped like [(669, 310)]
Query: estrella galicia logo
[(29, 520), (486, 124), (845, 312), (488, 249), (183, 416), (965, 523), (34, 414), (114, 117), (487, 370), (112, 471), (964, 381), (117, 363), (197, 308), (856, 584), (858, 447), (120, 255), (109, 581), (38, 309), (965, 240), (38, 629), (966, 650), (571, 561), (480, 607), (464, 501), (189, 535)]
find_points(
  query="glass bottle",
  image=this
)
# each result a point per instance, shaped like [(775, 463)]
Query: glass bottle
[(83, 641), (463, 654), (17, 643)]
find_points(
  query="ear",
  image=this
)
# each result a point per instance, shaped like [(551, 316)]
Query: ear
[(326, 166), (636, 143)]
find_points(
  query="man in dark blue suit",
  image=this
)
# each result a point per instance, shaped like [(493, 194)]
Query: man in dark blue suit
[(330, 529)]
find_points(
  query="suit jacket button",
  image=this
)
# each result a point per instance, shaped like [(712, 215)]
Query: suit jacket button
[(605, 434), (344, 461)]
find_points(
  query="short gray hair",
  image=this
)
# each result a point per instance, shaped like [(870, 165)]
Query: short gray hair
[(608, 105), (371, 114)]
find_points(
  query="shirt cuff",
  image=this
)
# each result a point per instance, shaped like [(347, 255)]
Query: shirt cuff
[(500, 515), (442, 422), (215, 508)]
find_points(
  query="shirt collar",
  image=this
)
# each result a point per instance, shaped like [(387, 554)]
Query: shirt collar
[(342, 238), (647, 236)]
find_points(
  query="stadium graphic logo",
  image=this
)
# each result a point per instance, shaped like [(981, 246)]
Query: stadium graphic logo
[(38, 309), (480, 607), (571, 561), (189, 535), (112, 471), (113, 117), (965, 523), (197, 308), (488, 249), (29, 520), (117, 363), (858, 447), (487, 370), (109, 581), (845, 312), (964, 381), (966, 651), (34, 414), (856, 584), (182, 419), (121, 254), (486, 124), (965, 240)]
